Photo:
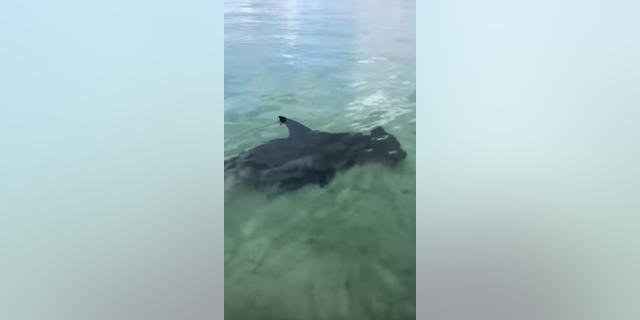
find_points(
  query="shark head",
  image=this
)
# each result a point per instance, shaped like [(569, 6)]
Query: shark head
[(383, 148)]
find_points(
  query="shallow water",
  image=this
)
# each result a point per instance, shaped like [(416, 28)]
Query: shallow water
[(346, 251)]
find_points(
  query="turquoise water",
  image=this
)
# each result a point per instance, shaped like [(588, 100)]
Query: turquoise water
[(346, 251)]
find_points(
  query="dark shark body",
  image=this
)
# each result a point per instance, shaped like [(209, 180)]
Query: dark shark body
[(309, 157)]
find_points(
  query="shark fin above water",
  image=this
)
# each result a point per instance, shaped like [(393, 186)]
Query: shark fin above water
[(296, 129)]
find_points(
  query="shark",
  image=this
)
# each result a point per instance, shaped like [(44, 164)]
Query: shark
[(308, 157)]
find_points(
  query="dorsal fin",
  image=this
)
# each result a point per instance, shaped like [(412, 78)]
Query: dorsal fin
[(295, 128)]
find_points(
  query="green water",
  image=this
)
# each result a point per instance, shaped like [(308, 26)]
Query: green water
[(346, 251)]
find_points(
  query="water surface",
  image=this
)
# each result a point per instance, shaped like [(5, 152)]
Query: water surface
[(346, 251)]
